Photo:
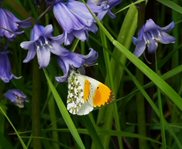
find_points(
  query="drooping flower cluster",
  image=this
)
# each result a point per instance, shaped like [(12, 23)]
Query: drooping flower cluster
[(10, 26), (43, 44), (16, 96), (150, 35), (103, 7), (5, 67), (76, 21), (75, 18), (69, 59)]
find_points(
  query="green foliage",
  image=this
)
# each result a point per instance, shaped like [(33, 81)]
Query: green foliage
[(146, 111)]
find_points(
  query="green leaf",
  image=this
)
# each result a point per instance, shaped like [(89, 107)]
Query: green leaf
[(92, 132), (160, 83), (65, 113), (4, 142), (166, 88), (126, 33), (171, 5), (19, 137)]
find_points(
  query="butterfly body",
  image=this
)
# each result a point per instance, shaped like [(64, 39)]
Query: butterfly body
[(86, 93)]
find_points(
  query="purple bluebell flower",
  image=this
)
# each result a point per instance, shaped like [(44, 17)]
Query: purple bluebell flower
[(16, 96), (150, 35), (10, 26), (68, 60), (43, 43), (5, 68), (75, 20), (103, 7)]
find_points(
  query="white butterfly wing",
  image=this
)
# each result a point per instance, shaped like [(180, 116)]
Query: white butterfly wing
[(85, 93), (75, 101)]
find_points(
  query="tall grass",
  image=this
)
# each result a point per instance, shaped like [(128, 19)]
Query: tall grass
[(147, 106)]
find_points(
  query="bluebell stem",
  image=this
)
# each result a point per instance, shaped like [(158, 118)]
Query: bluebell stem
[(68, 60), (10, 25), (43, 43), (150, 35), (5, 68), (16, 96)]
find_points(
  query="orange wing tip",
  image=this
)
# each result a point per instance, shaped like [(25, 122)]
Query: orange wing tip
[(103, 95), (108, 101)]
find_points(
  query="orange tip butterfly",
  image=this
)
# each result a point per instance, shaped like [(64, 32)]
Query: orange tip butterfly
[(85, 94)]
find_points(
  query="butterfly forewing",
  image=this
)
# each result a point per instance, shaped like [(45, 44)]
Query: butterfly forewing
[(85, 93)]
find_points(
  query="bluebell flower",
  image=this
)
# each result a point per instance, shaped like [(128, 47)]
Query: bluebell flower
[(150, 35), (10, 25), (69, 60), (43, 44), (16, 96), (5, 68), (75, 20), (103, 7)]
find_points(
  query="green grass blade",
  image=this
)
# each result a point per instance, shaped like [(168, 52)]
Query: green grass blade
[(167, 75), (18, 8), (125, 37), (115, 133), (167, 89), (141, 114), (53, 119), (162, 122), (156, 110), (160, 105), (19, 137), (171, 5), (127, 134), (106, 139), (108, 121), (128, 6), (93, 132), (126, 33), (65, 113)]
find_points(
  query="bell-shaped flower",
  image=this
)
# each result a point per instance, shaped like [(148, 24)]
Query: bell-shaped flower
[(150, 35), (16, 96), (69, 60), (103, 7), (75, 20), (10, 25), (43, 44), (5, 68)]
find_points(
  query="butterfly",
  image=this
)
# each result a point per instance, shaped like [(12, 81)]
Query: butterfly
[(86, 93)]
